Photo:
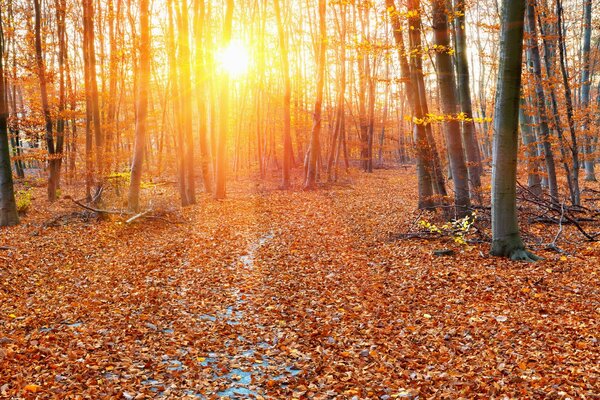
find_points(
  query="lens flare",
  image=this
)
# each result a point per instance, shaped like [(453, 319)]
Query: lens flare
[(233, 59)]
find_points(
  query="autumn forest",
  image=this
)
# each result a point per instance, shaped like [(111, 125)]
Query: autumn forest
[(299, 199)]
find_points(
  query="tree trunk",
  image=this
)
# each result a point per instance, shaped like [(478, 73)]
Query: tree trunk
[(534, 181), (311, 174), (506, 239), (569, 103), (586, 83), (185, 77), (41, 70), (287, 99), (8, 206), (449, 102), (469, 136), (541, 104), (221, 162), (142, 109), (199, 33)]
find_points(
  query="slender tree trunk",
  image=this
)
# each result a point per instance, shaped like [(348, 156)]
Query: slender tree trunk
[(8, 206), (61, 7), (221, 163), (311, 175), (141, 109), (586, 83), (185, 77), (201, 72), (95, 99), (534, 181), (41, 70), (506, 239), (287, 99), (569, 103), (469, 136), (409, 77), (449, 102), (541, 103)]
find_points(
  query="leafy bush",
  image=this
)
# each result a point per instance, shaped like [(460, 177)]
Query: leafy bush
[(458, 229), (23, 198)]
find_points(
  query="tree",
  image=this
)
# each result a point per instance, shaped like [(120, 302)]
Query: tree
[(506, 239), (287, 99), (41, 71), (141, 109), (449, 102), (311, 174), (586, 84), (469, 136), (92, 103), (8, 206), (534, 55), (221, 162)]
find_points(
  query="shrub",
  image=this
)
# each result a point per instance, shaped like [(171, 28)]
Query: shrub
[(23, 198)]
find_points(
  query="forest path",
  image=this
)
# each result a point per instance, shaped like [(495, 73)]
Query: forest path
[(289, 294)]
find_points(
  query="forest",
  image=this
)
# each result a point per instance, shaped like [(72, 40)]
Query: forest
[(299, 199)]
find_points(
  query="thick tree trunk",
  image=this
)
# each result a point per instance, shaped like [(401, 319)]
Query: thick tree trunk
[(506, 240), (449, 102)]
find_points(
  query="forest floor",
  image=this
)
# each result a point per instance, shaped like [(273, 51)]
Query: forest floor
[(273, 294)]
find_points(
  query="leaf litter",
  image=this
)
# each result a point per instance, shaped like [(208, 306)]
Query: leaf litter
[(280, 295)]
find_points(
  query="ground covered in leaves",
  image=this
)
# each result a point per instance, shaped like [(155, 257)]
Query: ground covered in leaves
[(273, 294)]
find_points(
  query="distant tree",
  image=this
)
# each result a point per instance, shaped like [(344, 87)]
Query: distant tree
[(287, 98), (221, 161), (506, 239), (141, 115), (311, 174), (43, 82)]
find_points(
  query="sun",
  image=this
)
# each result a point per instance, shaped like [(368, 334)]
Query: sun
[(233, 59)]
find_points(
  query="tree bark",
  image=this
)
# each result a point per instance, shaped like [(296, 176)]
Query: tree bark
[(41, 71), (586, 83), (221, 161), (541, 103), (142, 109), (311, 174), (8, 206), (287, 99), (449, 103), (469, 135), (506, 239)]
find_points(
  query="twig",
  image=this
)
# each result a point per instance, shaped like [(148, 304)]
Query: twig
[(542, 203), (130, 220), (97, 210)]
